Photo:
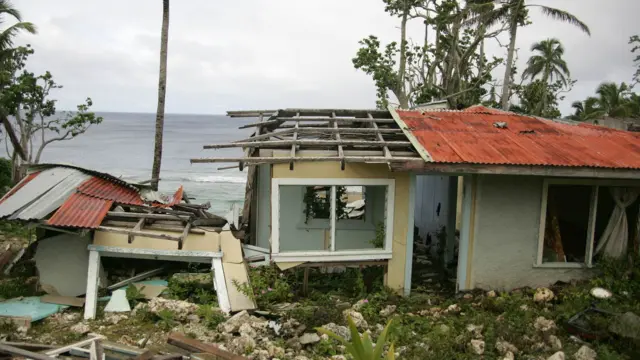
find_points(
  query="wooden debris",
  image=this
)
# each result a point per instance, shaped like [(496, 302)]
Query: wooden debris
[(63, 300), (139, 277), (29, 346), (194, 345), (12, 350)]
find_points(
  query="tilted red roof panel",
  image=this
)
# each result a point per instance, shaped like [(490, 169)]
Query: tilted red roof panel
[(475, 136), (81, 211), (105, 189)]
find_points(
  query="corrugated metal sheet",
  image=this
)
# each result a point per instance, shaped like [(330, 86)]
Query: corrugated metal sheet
[(105, 189), (33, 189), (20, 184), (470, 136), (81, 211), (52, 199)]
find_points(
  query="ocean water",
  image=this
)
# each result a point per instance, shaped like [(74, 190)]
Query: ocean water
[(123, 146)]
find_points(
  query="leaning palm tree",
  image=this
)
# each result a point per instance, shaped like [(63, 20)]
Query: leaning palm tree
[(613, 99), (162, 89), (513, 12), (586, 110), (7, 35), (547, 63)]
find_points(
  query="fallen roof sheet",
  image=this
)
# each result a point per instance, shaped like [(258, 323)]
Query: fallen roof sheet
[(104, 189), (33, 190), (81, 211), (473, 136), (20, 184), (52, 199)]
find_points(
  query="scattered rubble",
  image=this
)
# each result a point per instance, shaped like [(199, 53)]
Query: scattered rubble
[(557, 356), (309, 338), (585, 353), (504, 347), (544, 325), (554, 342), (491, 294), (388, 310), (357, 318), (543, 295), (181, 309), (477, 346)]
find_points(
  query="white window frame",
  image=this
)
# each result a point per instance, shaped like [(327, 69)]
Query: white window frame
[(591, 225), (331, 255)]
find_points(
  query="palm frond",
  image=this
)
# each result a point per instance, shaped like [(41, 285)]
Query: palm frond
[(7, 35), (7, 8), (489, 18), (564, 16)]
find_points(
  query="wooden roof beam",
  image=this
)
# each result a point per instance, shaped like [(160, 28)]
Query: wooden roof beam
[(337, 135), (286, 159), (310, 142), (293, 146)]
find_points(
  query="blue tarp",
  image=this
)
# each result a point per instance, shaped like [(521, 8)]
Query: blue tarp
[(30, 307)]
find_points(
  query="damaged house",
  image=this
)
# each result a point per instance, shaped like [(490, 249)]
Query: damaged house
[(541, 200), (82, 216)]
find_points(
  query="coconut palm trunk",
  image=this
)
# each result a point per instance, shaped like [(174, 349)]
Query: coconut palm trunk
[(513, 31), (162, 89)]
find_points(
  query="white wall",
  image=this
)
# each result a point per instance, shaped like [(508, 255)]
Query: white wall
[(505, 240)]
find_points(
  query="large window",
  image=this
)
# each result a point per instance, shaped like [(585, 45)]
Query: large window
[(576, 217), (332, 219)]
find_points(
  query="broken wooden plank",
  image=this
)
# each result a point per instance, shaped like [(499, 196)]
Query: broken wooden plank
[(139, 277), (147, 355), (184, 235), (278, 160), (136, 215), (387, 153), (63, 300), (155, 226), (311, 142), (29, 346), (79, 344), (12, 350), (337, 135), (194, 345), (138, 227), (138, 233), (168, 357), (293, 146)]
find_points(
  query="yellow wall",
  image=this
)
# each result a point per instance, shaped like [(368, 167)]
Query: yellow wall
[(395, 273), (209, 241)]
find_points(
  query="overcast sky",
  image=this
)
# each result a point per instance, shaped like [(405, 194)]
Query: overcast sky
[(226, 55)]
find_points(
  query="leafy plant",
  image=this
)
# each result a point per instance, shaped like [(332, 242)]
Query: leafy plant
[(268, 286), (210, 317), (134, 295), (361, 348), (378, 241), (167, 319)]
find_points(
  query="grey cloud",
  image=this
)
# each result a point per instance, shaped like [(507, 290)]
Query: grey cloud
[(266, 54)]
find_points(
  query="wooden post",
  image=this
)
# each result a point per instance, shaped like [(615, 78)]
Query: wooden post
[(220, 284), (92, 285), (305, 282)]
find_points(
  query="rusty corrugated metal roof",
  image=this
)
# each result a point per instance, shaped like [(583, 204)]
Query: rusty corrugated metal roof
[(470, 136), (81, 211), (105, 189)]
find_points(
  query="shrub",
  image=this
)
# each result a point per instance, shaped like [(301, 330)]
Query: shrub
[(361, 348)]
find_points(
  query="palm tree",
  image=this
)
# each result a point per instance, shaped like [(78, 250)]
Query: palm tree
[(162, 88), (513, 12), (586, 110), (6, 50), (7, 35), (548, 62), (614, 99)]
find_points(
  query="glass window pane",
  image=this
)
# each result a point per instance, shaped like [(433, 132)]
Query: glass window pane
[(567, 221), (361, 224), (299, 232)]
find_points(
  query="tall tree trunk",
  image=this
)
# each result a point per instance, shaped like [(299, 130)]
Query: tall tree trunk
[(513, 30), (162, 88), (403, 99)]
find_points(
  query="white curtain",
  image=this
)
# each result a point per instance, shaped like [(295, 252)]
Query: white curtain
[(613, 242)]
